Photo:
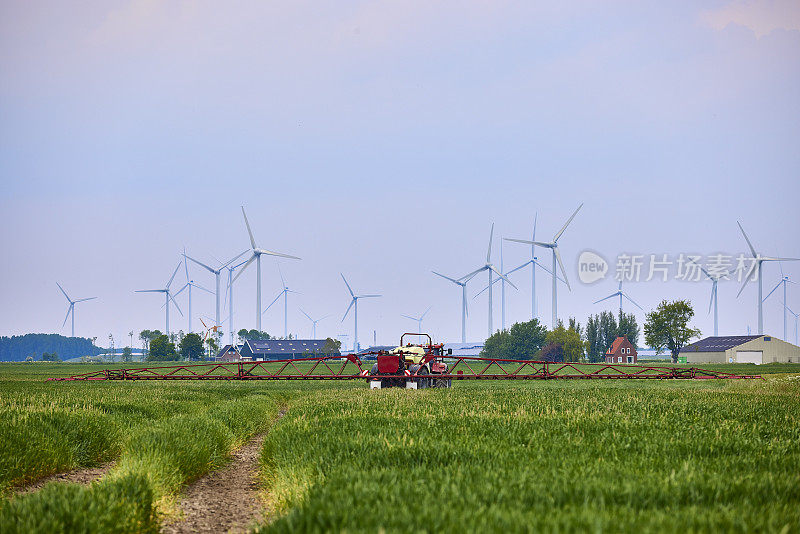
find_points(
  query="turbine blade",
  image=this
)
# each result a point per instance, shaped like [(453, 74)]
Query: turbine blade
[(348, 309), (283, 282), (233, 259), (198, 286), (526, 242), (181, 289), (489, 251), (632, 301), (445, 277), (771, 292), (69, 309), (711, 300), (555, 239), (408, 317), (185, 265), (504, 277), (473, 273), (307, 315), (176, 304), (271, 303), (476, 295), (171, 278), (426, 313), (201, 264), (606, 298), (84, 300), (348, 286), (535, 218), (278, 254), (749, 244), (561, 264), (249, 231), (368, 296), (780, 259), (518, 268), (62, 290), (248, 262), (546, 269), (150, 291)]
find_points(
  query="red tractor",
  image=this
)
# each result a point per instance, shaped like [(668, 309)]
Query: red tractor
[(410, 366)]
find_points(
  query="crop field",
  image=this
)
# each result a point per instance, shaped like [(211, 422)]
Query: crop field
[(660, 456)]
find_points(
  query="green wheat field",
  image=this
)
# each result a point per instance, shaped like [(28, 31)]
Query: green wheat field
[(556, 456)]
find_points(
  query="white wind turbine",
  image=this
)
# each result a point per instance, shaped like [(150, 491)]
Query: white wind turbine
[(713, 302), (313, 323), (216, 273), (354, 302), (257, 252), (784, 281), (758, 260), (285, 292), (489, 268), (189, 284), (229, 289), (621, 294), (167, 297), (418, 319), (71, 308), (464, 311), (553, 246)]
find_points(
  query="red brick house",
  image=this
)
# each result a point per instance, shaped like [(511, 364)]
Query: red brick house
[(621, 351)]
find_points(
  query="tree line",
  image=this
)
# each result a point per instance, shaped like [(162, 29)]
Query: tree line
[(20, 348), (667, 328)]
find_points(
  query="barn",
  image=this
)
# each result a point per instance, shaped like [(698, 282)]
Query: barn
[(280, 349), (741, 349)]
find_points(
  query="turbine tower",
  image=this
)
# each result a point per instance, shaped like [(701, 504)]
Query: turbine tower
[(621, 294), (489, 268), (795, 323), (257, 252), (758, 260), (167, 297), (418, 319), (189, 284), (464, 311), (354, 302), (285, 292), (553, 246), (784, 280), (71, 308), (313, 323)]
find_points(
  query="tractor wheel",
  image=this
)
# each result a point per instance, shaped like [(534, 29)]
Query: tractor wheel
[(424, 382)]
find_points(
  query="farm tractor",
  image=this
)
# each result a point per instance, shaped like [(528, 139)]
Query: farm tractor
[(410, 366)]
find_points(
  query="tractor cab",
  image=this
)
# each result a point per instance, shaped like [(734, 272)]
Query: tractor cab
[(411, 366)]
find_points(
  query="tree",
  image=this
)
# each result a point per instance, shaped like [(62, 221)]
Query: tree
[(569, 340), (127, 354), (628, 327), (245, 334), (331, 346), (161, 350), (50, 357), (213, 347), (522, 341), (667, 327), (147, 337), (498, 345), (552, 352), (191, 347)]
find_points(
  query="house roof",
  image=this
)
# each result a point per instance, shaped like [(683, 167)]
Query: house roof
[(615, 345), (717, 344), (285, 346), (226, 349)]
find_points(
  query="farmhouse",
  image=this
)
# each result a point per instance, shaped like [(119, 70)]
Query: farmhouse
[(621, 351), (741, 349), (229, 353), (280, 349)]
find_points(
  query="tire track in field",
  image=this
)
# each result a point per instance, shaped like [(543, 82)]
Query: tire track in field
[(83, 475), (226, 500)]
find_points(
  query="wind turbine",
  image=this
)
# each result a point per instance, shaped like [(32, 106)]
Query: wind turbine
[(489, 268), (216, 273), (257, 252), (167, 297), (784, 280), (418, 319), (619, 293), (229, 289), (313, 323), (71, 308), (354, 302), (758, 260), (553, 246), (713, 302), (189, 284), (285, 292), (533, 262), (464, 311)]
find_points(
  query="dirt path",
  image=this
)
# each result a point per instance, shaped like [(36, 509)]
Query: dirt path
[(225, 500), (83, 475)]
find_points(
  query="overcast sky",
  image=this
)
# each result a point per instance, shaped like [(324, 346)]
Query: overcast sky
[(382, 140)]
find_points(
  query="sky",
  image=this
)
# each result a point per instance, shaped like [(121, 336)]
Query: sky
[(382, 140)]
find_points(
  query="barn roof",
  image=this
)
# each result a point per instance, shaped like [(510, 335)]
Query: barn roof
[(717, 344), (285, 346)]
